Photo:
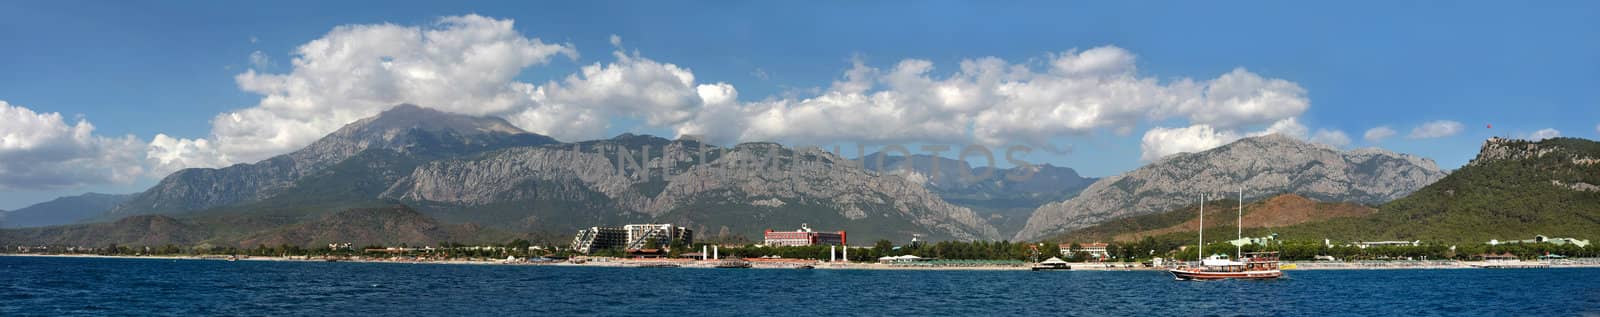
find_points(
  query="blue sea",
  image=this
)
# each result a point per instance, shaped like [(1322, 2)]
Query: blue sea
[(89, 286)]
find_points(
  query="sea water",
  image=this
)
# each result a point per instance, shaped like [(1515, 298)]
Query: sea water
[(117, 286)]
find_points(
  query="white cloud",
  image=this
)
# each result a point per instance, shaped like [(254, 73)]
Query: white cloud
[(1597, 128), (993, 101), (1436, 129), (463, 64), (1335, 138), (468, 64), (167, 154), (1241, 98), (259, 60), (42, 151), (1544, 134), (1161, 142), (1375, 135), (661, 94)]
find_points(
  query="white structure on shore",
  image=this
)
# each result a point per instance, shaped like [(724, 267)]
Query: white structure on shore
[(1544, 239)]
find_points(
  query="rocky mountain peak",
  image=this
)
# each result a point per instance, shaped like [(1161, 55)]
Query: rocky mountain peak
[(414, 131)]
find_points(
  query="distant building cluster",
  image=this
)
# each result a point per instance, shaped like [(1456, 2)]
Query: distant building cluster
[(803, 237), (631, 237)]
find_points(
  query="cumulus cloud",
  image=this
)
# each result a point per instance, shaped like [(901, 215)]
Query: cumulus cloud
[(43, 151), (1375, 135), (1160, 141), (1436, 129), (462, 64), (661, 94), (467, 64), (1544, 134), (993, 101)]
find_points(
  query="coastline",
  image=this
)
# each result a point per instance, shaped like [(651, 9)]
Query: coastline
[(794, 264)]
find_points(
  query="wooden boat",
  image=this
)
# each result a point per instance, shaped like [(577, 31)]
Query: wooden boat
[(1256, 265)]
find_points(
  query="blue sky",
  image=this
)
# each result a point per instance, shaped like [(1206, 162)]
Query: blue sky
[(143, 69)]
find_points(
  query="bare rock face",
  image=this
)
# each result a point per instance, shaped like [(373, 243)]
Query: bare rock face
[(1262, 166), (484, 170), (407, 129), (682, 174)]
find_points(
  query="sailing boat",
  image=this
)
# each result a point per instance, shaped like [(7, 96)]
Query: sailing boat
[(1256, 265)]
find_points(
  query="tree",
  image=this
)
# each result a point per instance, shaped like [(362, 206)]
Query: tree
[(883, 247)]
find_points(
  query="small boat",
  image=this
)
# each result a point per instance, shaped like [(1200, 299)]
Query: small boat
[(733, 264), (658, 265), (1052, 264), (805, 267)]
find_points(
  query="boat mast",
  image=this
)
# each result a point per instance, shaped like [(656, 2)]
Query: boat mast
[(1238, 252), (1201, 253)]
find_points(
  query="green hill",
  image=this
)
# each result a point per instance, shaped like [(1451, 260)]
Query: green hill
[(1514, 189)]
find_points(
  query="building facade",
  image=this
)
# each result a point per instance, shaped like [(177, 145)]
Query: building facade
[(1095, 250), (631, 237), (803, 237)]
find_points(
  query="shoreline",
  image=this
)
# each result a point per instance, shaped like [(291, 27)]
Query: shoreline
[(823, 265)]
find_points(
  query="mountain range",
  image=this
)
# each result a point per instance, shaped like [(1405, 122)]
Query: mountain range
[(415, 175), (1512, 190), (457, 169), (61, 210), (1261, 166)]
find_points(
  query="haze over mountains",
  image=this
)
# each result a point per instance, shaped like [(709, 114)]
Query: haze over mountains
[(61, 210), (1006, 197)]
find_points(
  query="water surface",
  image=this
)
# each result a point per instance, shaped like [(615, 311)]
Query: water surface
[(57, 286)]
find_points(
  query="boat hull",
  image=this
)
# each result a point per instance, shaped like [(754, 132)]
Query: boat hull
[(1195, 275)]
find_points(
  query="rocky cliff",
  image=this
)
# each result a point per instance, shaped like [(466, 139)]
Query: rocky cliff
[(692, 184), (405, 129), (1262, 166)]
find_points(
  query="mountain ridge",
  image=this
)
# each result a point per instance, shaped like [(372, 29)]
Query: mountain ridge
[(62, 210), (1264, 165)]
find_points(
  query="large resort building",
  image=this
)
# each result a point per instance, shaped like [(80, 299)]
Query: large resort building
[(803, 237), (631, 237), (1095, 250)]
